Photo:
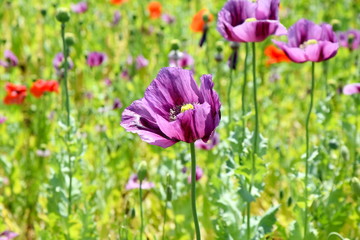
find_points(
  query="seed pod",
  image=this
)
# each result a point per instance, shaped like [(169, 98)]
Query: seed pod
[(142, 171), (62, 15)]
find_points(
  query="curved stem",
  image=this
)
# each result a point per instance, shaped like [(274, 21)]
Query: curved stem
[(193, 191), (141, 211), (307, 146)]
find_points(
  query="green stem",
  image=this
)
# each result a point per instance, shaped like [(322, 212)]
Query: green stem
[(193, 191), (357, 104), (307, 147), (164, 214), (141, 212), (243, 98), (67, 107), (256, 136), (229, 92)]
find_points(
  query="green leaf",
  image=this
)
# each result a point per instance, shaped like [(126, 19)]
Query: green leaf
[(268, 220)]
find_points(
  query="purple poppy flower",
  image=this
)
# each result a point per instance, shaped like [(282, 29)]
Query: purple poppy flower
[(125, 74), (174, 109), (80, 7), (10, 59), (198, 174), (8, 235), (308, 41), (95, 59), (168, 18), (184, 61), (58, 62), (117, 104), (247, 21), (2, 119), (351, 89), (116, 18), (141, 62), (213, 141), (134, 183), (107, 82), (350, 39)]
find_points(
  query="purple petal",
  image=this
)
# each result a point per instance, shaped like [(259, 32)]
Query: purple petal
[(80, 7), (257, 31), (353, 88), (321, 51), (267, 10), (295, 54)]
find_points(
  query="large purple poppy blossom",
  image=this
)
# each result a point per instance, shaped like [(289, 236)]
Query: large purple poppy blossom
[(247, 21), (308, 41), (95, 59), (80, 7), (8, 235), (134, 183), (174, 109), (349, 39), (351, 89)]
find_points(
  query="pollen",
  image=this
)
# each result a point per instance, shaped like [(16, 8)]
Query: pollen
[(308, 42), (250, 20), (186, 107)]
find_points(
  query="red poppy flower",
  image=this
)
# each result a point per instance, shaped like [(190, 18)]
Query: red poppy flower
[(41, 86), (155, 9), (275, 55), (198, 23), (118, 2), (15, 93)]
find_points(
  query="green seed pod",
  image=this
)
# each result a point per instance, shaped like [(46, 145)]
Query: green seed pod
[(335, 23), (175, 44), (62, 15), (219, 46), (142, 170), (333, 144), (218, 57), (355, 186), (69, 39)]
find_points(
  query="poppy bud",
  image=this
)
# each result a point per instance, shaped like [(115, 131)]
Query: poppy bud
[(142, 172), (289, 201), (205, 17), (219, 46), (62, 15), (132, 213), (234, 46), (168, 193), (69, 39), (175, 44), (43, 12), (333, 144), (335, 23), (281, 194), (218, 57), (355, 186)]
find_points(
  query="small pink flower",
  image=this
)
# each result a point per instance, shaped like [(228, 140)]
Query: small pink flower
[(351, 89), (2, 119), (8, 235), (134, 183), (80, 7), (141, 62), (213, 141)]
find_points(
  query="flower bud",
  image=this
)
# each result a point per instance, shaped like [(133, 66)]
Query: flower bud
[(205, 17), (168, 193), (62, 15), (69, 39), (289, 201), (219, 46), (234, 46), (355, 186), (335, 23), (43, 12), (132, 213), (142, 172), (175, 44), (218, 57)]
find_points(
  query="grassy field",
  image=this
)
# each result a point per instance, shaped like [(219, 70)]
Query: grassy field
[(67, 165)]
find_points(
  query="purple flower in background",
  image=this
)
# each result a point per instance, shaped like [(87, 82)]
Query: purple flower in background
[(350, 39), (95, 59), (351, 89), (168, 18), (213, 141), (184, 61), (107, 82), (141, 62), (308, 41), (247, 21), (8, 235), (43, 153), (10, 59), (125, 74), (198, 175), (58, 62), (116, 18), (2, 119), (174, 109), (134, 183), (117, 104), (80, 7)]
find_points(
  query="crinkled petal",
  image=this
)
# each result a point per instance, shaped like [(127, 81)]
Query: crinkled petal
[(295, 54), (267, 9)]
